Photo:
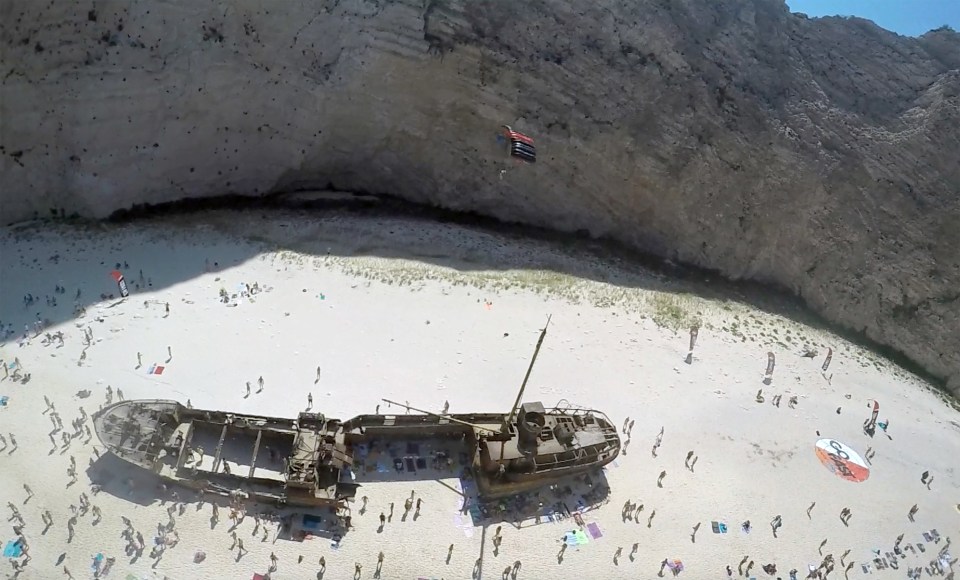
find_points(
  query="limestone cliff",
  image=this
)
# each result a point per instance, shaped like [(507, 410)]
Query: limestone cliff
[(818, 154)]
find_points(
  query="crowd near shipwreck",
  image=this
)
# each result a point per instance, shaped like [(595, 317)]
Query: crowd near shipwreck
[(320, 462)]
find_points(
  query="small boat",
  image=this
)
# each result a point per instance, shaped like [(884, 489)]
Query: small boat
[(317, 461)]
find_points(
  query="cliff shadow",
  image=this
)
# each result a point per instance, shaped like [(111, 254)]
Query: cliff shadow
[(325, 225)]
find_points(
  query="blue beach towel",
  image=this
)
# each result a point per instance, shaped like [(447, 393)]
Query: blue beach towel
[(13, 549)]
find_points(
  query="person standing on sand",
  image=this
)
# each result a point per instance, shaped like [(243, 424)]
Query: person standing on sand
[(809, 509), (625, 423), (318, 376), (309, 401), (260, 382), (248, 390)]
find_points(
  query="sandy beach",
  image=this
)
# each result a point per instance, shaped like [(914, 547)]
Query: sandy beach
[(428, 313)]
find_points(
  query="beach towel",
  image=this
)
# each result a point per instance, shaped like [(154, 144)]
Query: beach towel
[(575, 538), (158, 370), (312, 522), (594, 530), (718, 527), (13, 549)]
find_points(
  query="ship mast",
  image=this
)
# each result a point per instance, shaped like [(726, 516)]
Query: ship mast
[(516, 404)]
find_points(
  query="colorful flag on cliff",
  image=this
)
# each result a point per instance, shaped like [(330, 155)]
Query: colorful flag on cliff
[(521, 146)]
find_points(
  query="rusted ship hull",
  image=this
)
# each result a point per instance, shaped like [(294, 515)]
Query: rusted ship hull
[(310, 461)]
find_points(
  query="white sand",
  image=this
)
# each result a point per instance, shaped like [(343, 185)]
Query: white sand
[(412, 330)]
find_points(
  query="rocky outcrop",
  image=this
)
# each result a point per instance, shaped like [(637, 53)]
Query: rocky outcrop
[(817, 154)]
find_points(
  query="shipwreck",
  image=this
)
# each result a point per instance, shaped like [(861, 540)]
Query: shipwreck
[(317, 461)]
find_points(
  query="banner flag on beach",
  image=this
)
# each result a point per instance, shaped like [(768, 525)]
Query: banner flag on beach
[(121, 283), (826, 363), (843, 461), (876, 412), (771, 363)]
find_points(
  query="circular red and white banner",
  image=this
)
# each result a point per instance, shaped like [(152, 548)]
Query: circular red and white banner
[(843, 461)]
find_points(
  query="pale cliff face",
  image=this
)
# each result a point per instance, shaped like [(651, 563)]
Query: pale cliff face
[(816, 154)]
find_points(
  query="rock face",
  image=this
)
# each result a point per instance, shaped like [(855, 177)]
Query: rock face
[(817, 154)]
